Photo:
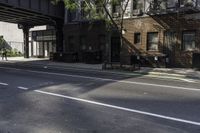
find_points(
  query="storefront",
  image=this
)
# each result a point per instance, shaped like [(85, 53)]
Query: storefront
[(42, 43)]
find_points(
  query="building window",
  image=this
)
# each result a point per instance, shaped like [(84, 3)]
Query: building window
[(137, 7), (99, 7), (137, 4), (116, 10), (189, 40), (171, 3), (85, 12), (71, 15), (169, 41), (187, 3), (137, 38), (152, 41)]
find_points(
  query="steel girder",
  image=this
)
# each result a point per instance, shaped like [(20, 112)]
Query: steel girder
[(31, 12)]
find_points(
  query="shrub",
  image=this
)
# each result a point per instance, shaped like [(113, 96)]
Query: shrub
[(14, 53)]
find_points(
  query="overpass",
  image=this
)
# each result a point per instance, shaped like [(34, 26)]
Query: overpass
[(30, 13)]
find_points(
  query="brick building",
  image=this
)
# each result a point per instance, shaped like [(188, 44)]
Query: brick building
[(159, 36), (157, 32), (162, 33)]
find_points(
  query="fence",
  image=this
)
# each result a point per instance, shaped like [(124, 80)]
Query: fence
[(19, 46)]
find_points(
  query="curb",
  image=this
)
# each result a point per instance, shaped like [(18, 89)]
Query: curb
[(175, 75), (166, 74), (136, 73), (149, 74)]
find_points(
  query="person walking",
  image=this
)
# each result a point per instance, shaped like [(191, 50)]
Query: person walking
[(3, 50), (4, 54)]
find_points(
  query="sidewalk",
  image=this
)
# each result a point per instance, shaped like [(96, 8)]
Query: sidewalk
[(47, 62), (182, 72), (173, 72)]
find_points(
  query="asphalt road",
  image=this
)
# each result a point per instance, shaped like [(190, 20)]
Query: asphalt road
[(38, 100)]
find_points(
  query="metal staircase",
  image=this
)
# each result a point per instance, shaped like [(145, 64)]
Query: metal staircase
[(158, 7)]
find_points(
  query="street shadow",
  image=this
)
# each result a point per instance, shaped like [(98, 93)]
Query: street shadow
[(18, 108)]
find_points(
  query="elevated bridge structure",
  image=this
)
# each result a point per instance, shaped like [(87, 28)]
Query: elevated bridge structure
[(30, 13)]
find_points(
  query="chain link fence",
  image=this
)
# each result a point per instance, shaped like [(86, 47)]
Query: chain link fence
[(16, 46)]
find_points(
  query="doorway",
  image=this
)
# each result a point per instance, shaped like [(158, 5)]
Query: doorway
[(46, 49), (43, 49), (49, 47), (115, 49), (169, 46)]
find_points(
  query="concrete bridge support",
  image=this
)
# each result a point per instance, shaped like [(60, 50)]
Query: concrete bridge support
[(26, 41), (25, 29)]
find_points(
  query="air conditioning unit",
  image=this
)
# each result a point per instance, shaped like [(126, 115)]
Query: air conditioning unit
[(137, 12), (116, 14)]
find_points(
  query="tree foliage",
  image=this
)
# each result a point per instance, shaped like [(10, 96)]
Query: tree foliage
[(99, 9)]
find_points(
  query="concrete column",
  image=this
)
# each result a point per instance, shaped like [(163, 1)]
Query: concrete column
[(26, 41), (59, 37)]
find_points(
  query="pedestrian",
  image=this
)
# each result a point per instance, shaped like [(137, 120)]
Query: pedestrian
[(1, 52), (4, 54)]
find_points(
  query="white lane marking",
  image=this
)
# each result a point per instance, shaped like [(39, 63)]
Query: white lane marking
[(110, 80), (121, 108), (189, 80), (120, 81), (22, 88), (5, 84)]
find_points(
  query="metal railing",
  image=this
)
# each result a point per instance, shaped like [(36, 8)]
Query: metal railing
[(164, 6)]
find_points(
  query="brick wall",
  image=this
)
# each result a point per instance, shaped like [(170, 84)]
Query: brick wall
[(143, 26), (159, 24)]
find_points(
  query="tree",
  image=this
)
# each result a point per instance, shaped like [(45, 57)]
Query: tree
[(103, 10)]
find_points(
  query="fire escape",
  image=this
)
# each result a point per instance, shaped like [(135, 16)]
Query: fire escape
[(175, 12), (159, 7), (176, 8)]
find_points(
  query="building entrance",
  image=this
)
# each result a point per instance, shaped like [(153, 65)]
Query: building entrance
[(115, 49), (43, 43), (43, 49), (169, 46)]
